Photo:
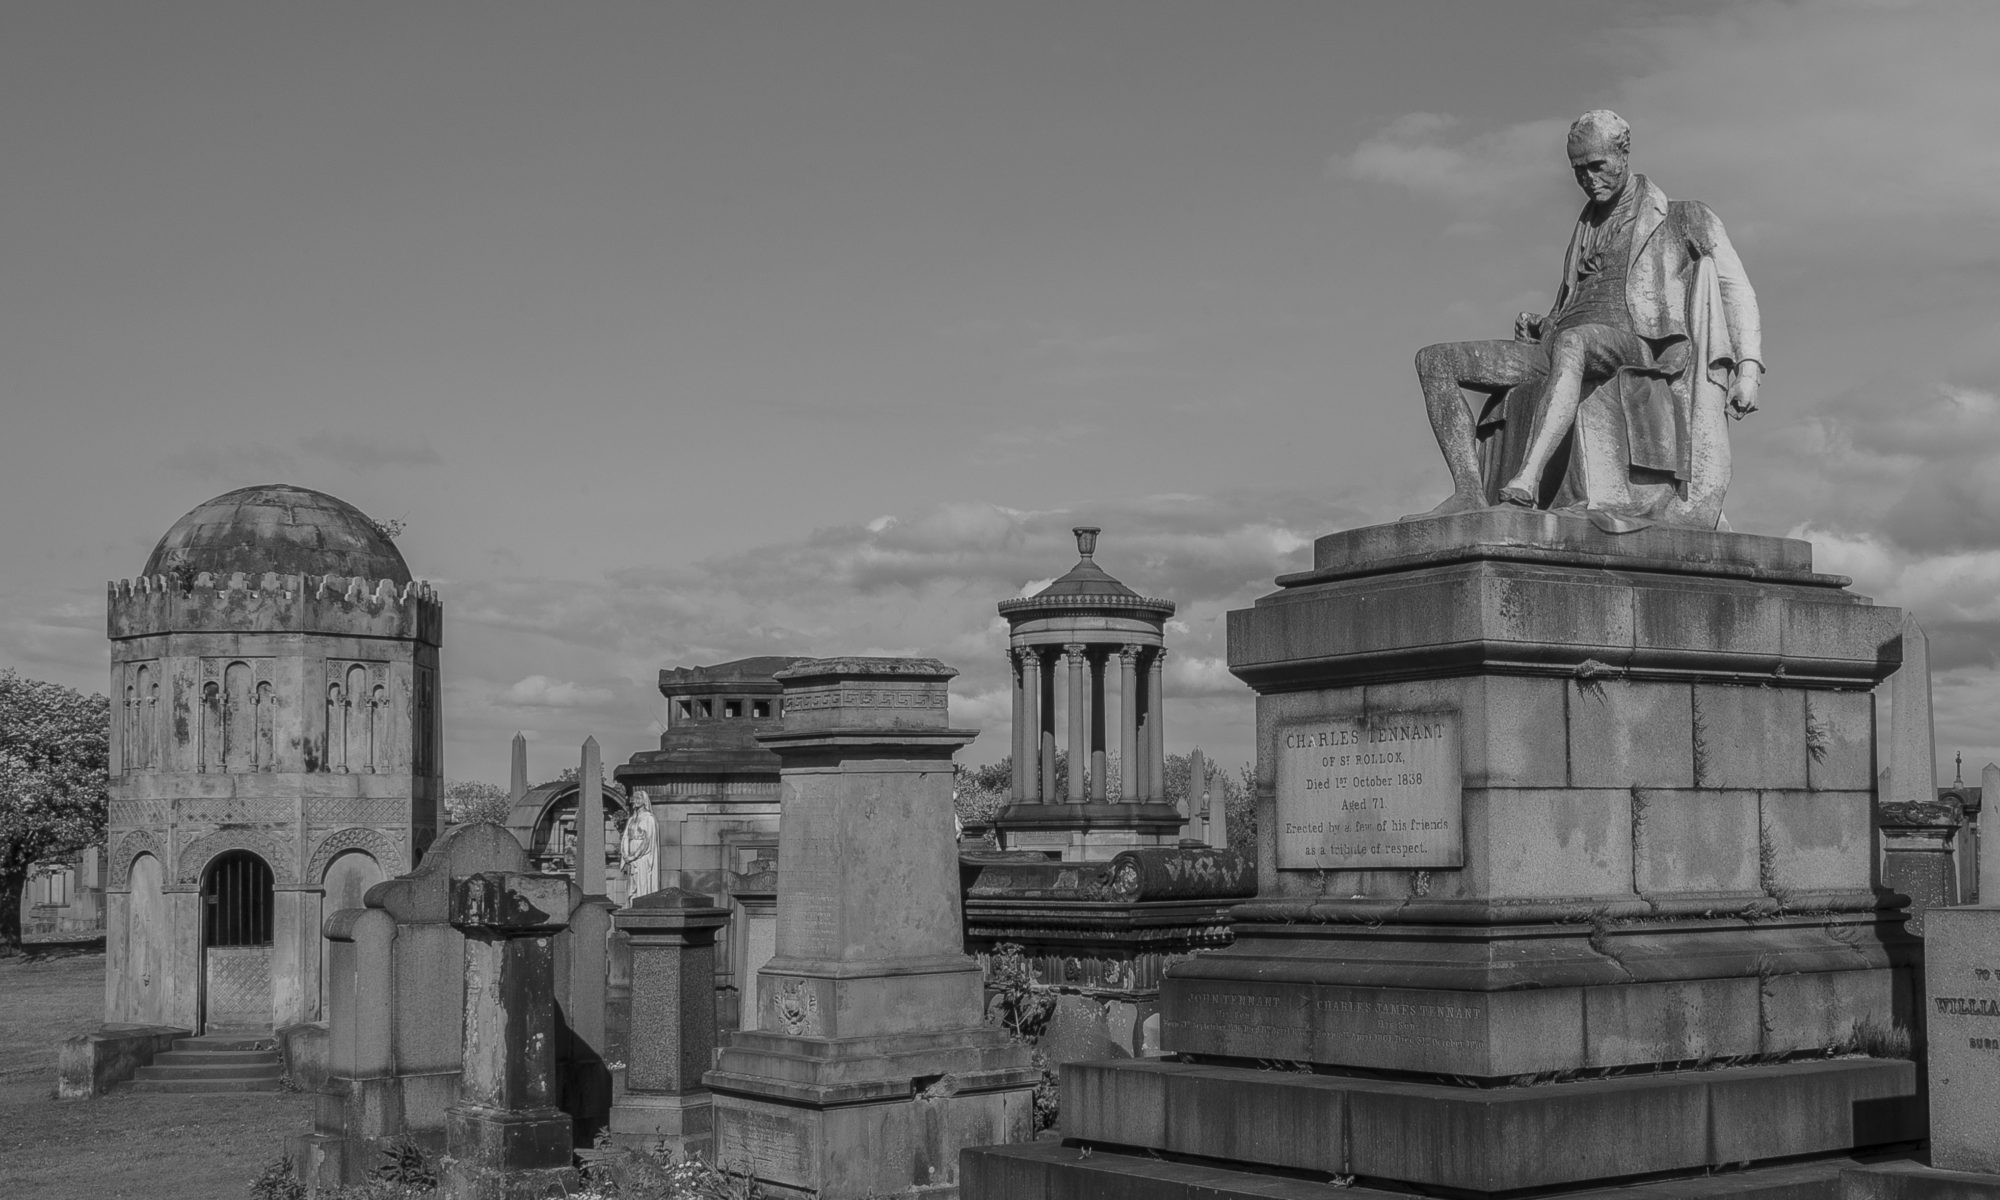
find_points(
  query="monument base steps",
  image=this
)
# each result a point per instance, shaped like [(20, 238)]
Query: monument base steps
[(508, 1155), (1914, 1181), (1065, 1171), (1494, 1141), (1450, 1000), (686, 1123), (905, 1146)]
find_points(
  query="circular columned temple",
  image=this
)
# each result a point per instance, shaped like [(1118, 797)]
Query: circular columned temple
[(1068, 646), (274, 753)]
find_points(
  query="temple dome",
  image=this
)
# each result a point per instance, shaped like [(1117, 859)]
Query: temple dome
[(1086, 586), (277, 527)]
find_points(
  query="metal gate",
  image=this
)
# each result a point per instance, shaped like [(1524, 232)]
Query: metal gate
[(236, 943)]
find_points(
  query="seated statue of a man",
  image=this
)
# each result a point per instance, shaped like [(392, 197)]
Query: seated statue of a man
[(1615, 404)]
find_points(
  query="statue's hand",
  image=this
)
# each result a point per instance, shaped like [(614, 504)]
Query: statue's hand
[(1743, 396), (1527, 328)]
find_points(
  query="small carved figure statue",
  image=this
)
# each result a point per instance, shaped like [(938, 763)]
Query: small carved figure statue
[(638, 849), (1614, 404)]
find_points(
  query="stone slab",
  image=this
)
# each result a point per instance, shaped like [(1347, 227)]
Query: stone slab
[(1494, 1140), (1496, 533), (886, 1147), (1962, 1006), (91, 1064), (1057, 1171), (1483, 615), (1047, 1170), (1908, 1180), (1452, 1001)]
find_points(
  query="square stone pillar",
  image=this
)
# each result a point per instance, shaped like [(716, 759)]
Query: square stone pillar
[(872, 1066), (671, 1039), (505, 1137)]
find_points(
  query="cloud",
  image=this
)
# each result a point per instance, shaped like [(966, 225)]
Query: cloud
[(208, 460), (539, 691), (1753, 102), (362, 454), (358, 453), (1424, 153)]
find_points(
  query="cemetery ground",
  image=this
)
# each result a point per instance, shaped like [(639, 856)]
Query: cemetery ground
[(162, 1147)]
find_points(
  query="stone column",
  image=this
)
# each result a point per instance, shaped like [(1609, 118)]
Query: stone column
[(1128, 723), (872, 1066), (672, 1038), (1047, 734), (1156, 733), (1031, 719), (1019, 729), (505, 1137), (1097, 763), (1079, 713)]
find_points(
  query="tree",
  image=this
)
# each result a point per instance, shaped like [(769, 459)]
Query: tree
[(467, 800), (53, 760)]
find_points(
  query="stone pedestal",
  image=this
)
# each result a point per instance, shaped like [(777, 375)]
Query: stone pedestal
[(671, 1039), (1917, 858), (871, 1066), (1543, 806), (505, 1138)]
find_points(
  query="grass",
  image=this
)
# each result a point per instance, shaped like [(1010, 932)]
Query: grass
[(123, 1145)]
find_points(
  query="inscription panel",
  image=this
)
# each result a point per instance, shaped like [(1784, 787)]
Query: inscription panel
[(780, 1141), (1358, 1027), (1361, 793), (1962, 1008)]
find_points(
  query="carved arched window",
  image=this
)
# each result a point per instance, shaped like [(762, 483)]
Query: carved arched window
[(263, 753), (209, 752), (378, 729), (239, 718), (355, 756), (334, 752), (128, 756)]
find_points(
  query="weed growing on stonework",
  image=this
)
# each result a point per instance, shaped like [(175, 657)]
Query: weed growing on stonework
[(406, 1165), (1871, 1037), (1023, 1005), (614, 1172), (276, 1182)]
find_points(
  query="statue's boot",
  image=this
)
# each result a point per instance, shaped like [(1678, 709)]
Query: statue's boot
[(1457, 502)]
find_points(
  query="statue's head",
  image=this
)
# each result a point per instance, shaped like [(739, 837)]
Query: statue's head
[(1600, 143)]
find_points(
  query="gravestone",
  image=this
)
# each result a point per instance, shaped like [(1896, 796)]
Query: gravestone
[(671, 1037), (505, 1138), (871, 1066), (1962, 1005)]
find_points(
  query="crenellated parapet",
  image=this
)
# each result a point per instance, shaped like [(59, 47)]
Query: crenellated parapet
[(274, 603)]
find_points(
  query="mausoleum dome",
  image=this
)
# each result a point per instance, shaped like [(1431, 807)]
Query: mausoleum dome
[(277, 527)]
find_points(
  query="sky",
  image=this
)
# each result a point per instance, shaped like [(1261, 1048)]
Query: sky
[(679, 332)]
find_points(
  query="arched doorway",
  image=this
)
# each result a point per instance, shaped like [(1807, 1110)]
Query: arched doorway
[(236, 912)]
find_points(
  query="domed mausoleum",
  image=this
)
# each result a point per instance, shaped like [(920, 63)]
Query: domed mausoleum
[(274, 753)]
